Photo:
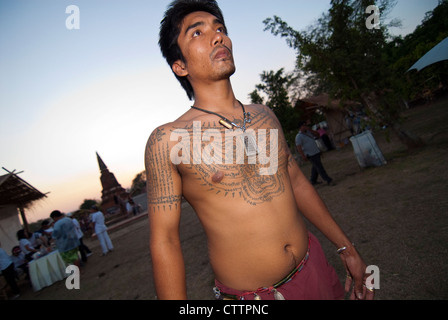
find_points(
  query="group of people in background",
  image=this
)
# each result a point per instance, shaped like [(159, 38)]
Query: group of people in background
[(63, 234)]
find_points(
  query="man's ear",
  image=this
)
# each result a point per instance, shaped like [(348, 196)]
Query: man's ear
[(180, 68)]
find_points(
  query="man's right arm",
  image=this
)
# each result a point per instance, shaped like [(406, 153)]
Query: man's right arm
[(164, 191)]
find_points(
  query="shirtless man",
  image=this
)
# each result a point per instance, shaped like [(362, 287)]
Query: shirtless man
[(252, 219)]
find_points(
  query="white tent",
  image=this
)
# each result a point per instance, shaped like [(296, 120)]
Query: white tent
[(436, 54)]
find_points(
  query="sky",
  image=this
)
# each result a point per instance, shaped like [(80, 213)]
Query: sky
[(66, 94)]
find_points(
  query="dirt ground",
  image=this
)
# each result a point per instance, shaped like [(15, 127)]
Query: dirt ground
[(397, 215)]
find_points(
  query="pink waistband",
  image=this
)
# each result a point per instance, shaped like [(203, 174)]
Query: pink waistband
[(220, 288)]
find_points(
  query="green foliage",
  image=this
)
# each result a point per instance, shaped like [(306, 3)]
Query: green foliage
[(138, 184), (275, 87), (340, 56), (345, 58), (88, 204)]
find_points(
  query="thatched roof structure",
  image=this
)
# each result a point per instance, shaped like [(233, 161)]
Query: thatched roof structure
[(16, 195), (335, 112), (325, 101), (16, 191)]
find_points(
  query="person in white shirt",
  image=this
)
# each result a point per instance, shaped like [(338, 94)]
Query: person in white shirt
[(20, 262), (97, 219), (83, 249), (7, 270), (131, 208), (25, 244)]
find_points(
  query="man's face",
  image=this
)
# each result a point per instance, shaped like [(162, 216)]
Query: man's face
[(206, 48)]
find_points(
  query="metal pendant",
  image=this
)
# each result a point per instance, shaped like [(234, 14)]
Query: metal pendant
[(217, 293), (256, 297), (250, 145), (226, 124), (247, 117), (278, 295)]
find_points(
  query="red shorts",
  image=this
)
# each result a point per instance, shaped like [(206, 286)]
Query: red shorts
[(315, 280)]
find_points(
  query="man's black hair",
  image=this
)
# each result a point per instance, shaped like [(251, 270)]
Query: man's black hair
[(56, 214), (170, 29), (21, 234)]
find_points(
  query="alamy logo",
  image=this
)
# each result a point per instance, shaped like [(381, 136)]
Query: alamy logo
[(73, 280), (373, 21), (237, 145), (373, 281), (73, 20)]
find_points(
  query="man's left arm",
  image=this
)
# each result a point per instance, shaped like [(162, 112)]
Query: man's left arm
[(313, 208)]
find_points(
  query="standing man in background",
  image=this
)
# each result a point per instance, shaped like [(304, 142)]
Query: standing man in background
[(97, 219), (64, 234), (307, 147)]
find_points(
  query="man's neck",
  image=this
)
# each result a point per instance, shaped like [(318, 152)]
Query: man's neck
[(217, 97)]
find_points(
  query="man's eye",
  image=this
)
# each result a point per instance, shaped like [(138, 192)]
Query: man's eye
[(221, 30), (197, 33)]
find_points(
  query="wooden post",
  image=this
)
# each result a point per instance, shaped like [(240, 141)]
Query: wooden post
[(25, 222)]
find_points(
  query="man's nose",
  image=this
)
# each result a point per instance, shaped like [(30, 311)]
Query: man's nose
[(217, 38)]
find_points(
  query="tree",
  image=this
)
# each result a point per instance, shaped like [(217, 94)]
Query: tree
[(347, 60), (138, 184), (88, 204), (275, 87)]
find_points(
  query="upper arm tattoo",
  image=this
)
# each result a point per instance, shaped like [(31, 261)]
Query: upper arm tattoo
[(160, 184)]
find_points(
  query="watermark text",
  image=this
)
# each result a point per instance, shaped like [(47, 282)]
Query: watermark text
[(73, 280), (236, 147), (73, 21), (373, 281), (373, 21)]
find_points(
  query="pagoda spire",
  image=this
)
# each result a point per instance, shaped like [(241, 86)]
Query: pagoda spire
[(113, 195), (101, 163)]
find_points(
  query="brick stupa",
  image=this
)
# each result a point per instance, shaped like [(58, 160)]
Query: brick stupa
[(113, 195)]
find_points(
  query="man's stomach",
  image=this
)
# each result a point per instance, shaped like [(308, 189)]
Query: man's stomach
[(254, 246)]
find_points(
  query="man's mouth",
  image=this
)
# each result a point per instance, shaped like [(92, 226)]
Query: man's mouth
[(221, 53)]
